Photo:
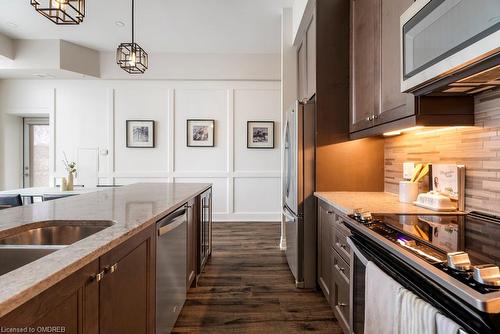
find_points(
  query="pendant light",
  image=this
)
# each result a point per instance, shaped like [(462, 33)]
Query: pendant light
[(63, 12), (130, 56)]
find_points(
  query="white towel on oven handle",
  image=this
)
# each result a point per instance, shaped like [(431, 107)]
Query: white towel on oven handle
[(447, 326), (382, 304)]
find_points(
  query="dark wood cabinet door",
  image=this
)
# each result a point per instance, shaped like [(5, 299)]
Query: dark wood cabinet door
[(71, 305), (325, 220), (365, 63), (394, 104), (311, 58), (192, 240), (127, 291), (302, 70)]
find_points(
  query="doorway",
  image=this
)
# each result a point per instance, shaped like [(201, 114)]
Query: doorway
[(36, 152)]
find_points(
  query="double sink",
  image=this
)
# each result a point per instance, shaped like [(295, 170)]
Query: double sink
[(33, 243)]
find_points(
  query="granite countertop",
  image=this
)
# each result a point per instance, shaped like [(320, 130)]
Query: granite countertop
[(375, 202), (131, 209)]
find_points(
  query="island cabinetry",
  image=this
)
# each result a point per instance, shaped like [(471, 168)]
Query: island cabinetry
[(127, 288), (70, 306), (113, 294)]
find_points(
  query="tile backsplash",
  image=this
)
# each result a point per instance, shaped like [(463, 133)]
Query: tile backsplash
[(478, 148)]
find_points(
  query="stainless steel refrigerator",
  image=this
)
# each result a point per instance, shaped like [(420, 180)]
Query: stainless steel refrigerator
[(299, 208)]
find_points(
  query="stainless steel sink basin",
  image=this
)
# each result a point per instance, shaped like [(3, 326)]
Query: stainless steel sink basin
[(54, 233), (33, 243), (13, 257)]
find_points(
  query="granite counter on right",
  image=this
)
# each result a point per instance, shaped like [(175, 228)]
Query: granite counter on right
[(375, 202)]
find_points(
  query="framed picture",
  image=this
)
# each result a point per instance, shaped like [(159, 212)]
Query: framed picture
[(140, 133), (200, 132), (260, 134)]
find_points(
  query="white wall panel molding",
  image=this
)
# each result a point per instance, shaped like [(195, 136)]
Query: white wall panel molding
[(87, 118), (257, 174), (171, 132), (52, 129), (111, 130)]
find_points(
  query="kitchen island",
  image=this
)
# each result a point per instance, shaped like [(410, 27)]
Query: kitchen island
[(73, 278)]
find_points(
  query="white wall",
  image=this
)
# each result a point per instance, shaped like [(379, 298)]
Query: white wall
[(299, 6), (88, 117)]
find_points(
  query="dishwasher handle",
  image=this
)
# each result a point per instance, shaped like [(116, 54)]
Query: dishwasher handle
[(171, 222)]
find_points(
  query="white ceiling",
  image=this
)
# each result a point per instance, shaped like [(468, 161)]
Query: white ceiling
[(180, 26)]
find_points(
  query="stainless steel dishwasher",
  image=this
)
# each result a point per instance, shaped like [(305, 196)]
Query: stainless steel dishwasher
[(170, 269)]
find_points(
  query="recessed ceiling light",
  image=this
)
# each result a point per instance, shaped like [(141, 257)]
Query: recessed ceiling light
[(119, 24), (11, 25)]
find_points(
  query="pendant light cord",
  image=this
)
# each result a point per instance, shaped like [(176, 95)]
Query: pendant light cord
[(132, 21)]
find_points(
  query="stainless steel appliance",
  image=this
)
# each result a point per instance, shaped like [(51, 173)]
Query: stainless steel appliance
[(451, 46), (299, 209), (450, 261), (171, 269)]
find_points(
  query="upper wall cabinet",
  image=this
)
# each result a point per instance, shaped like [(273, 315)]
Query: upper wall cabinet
[(375, 71), (376, 102), (306, 61), (322, 45), (365, 63), (393, 103)]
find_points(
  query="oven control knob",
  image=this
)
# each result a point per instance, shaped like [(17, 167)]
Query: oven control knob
[(459, 261), (488, 274)]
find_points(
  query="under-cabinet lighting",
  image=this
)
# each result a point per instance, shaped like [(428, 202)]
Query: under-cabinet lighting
[(398, 132), (438, 130)]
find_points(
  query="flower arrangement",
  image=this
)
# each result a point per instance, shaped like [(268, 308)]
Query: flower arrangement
[(69, 165)]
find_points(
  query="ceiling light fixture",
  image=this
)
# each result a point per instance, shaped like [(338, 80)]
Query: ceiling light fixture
[(130, 56), (63, 12)]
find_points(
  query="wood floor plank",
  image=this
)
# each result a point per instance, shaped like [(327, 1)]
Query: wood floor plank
[(247, 288)]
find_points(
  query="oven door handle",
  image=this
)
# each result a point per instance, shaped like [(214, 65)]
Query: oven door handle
[(356, 252)]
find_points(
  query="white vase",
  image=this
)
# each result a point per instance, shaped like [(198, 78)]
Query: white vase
[(69, 186), (64, 184)]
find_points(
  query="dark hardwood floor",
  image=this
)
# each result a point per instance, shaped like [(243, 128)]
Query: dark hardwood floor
[(248, 288)]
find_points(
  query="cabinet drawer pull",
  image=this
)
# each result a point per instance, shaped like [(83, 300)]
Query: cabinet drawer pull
[(97, 277), (342, 304), (113, 268), (330, 212), (340, 269)]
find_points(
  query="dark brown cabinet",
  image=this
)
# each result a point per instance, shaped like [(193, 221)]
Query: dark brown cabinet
[(325, 224), (71, 303), (376, 97), (393, 104), (116, 293), (113, 294), (365, 63), (127, 289), (333, 262)]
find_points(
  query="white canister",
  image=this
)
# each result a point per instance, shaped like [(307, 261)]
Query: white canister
[(408, 191)]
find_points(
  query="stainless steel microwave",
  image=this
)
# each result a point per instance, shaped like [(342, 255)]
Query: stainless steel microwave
[(441, 37)]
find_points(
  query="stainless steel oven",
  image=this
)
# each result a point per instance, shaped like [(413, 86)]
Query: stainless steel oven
[(418, 266), (439, 37)]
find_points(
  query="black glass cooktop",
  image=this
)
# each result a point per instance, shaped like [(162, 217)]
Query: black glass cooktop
[(431, 237)]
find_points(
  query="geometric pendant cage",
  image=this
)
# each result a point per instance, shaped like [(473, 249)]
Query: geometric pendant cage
[(130, 56), (63, 12)]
